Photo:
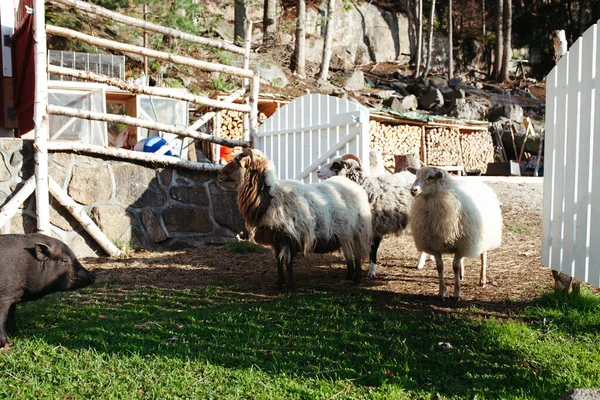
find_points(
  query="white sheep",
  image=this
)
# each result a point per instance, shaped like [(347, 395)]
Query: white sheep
[(455, 217), (376, 163), (389, 198), (294, 217)]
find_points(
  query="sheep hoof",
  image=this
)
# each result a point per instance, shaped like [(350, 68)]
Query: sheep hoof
[(482, 284)]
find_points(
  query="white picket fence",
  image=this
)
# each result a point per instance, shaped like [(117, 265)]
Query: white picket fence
[(307, 132), (571, 218)]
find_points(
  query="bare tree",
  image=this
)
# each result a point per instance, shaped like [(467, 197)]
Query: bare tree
[(419, 12), (507, 51), (328, 39), (430, 44), (450, 45), (270, 22), (499, 41), (239, 21), (300, 49), (483, 17)]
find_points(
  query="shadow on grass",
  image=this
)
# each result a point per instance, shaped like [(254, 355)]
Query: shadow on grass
[(370, 338)]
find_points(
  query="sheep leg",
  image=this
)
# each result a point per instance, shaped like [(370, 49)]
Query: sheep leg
[(457, 266), (423, 258), (373, 257), (439, 263), (462, 268), (357, 271), (483, 270), (284, 257)]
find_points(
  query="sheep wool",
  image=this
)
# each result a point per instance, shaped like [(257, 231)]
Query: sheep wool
[(294, 217), (457, 217)]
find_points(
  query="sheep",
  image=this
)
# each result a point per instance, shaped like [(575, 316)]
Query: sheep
[(455, 217), (389, 198), (292, 217), (376, 163)]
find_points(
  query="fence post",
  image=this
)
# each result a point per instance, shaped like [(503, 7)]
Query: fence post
[(40, 119)]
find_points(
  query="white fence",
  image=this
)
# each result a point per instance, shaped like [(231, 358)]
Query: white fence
[(307, 132), (571, 219)]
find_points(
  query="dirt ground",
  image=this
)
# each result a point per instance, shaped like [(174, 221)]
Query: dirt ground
[(515, 274)]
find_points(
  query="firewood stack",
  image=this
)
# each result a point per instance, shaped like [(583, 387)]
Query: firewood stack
[(477, 150), (443, 146), (232, 124), (394, 139)]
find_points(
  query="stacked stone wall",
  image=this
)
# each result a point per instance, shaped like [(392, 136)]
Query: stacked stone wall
[(134, 204)]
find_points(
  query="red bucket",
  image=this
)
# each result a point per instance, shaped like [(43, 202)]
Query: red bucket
[(226, 153)]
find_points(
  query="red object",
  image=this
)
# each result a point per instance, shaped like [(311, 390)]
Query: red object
[(226, 153), (23, 68)]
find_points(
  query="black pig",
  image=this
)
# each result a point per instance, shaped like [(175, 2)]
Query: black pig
[(31, 266)]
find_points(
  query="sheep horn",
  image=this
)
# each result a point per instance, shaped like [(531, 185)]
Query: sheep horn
[(351, 157)]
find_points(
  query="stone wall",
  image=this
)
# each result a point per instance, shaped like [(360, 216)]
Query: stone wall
[(134, 204)]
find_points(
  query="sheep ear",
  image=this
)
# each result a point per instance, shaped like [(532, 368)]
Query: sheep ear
[(412, 170)]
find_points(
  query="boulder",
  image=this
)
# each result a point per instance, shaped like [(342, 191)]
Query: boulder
[(581, 394), (431, 99), (271, 73), (354, 80), (514, 112), (403, 104)]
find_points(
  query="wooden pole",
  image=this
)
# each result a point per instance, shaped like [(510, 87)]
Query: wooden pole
[(246, 82), (80, 215), (152, 158), (159, 55), (8, 210), (141, 123), (149, 26), (254, 106), (146, 77), (150, 91), (528, 127), (40, 119)]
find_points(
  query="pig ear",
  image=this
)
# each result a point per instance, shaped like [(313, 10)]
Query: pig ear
[(42, 251), (412, 170)]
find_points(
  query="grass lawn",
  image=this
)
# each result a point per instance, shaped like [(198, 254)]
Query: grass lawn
[(106, 342)]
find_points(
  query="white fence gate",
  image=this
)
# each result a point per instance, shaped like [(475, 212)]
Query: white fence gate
[(306, 133), (571, 219)]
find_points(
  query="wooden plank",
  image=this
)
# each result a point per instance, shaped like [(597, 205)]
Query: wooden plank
[(594, 273), (571, 157), (583, 210), (559, 164), (549, 169)]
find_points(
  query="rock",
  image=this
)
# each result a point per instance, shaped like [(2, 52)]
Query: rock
[(271, 73), (227, 213), (581, 394), (113, 221), (403, 104), (385, 94), (514, 112), (4, 170), (90, 185), (197, 219), (84, 247), (354, 80), (439, 83), (468, 109), (190, 194), (152, 225), (60, 217), (23, 223), (452, 95), (431, 99), (138, 186)]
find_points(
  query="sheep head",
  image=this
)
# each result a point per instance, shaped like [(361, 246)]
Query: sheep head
[(246, 159), (339, 166), (428, 181)]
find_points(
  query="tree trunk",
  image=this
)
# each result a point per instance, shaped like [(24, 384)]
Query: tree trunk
[(483, 17), (430, 44), (499, 41), (507, 52), (270, 22), (419, 4), (300, 49), (239, 33), (450, 45), (328, 39)]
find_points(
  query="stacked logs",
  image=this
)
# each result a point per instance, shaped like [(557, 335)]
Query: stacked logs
[(477, 151), (232, 124), (443, 146), (394, 139)]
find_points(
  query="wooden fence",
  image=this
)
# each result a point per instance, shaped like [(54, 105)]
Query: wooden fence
[(43, 183), (571, 216)]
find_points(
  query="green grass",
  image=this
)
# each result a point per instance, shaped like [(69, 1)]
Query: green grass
[(106, 342)]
